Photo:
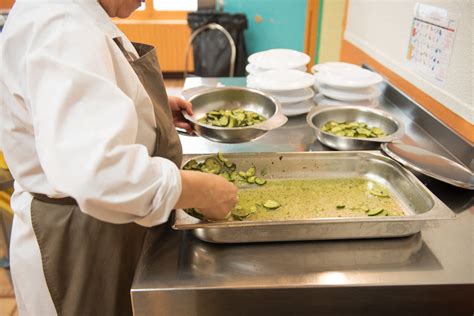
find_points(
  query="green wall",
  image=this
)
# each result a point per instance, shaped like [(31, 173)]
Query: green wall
[(282, 24)]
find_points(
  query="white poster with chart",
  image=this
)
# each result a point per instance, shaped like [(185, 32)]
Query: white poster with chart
[(431, 41)]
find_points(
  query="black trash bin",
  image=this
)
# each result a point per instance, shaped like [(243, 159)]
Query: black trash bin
[(211, 48)]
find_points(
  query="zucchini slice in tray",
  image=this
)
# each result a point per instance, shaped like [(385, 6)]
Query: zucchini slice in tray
[(213, 165), (271, 204)]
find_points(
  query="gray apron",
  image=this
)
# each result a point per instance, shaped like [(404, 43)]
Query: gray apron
[(89, 264)]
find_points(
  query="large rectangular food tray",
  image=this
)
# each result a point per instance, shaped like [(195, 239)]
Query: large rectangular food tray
[(418, 203)]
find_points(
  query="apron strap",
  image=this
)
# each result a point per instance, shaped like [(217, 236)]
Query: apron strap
[(58, 201), (130, 58)]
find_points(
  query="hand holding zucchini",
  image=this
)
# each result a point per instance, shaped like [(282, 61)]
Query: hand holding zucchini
[(219, 165)]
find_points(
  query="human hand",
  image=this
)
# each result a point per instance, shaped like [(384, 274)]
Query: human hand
[(224, 197), (176, 106), (212, 195)]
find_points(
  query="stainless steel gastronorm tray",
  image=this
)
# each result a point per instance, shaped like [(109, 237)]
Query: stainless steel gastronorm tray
[(418, 203)]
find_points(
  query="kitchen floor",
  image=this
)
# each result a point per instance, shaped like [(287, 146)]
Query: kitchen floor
[(7, 295)]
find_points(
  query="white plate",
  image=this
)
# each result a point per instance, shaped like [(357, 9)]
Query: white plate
[(252, 69), (320, 99), (280, 80), (294, 96), (350, 95), (332, 66), (279, 58), (295, 109), (345, 76)]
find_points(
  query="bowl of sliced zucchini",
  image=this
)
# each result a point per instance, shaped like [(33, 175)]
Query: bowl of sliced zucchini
[(234, 114), (354, 127)]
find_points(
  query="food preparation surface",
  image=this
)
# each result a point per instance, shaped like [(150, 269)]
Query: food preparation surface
[(427, 273), (317, 198), (418, 204)]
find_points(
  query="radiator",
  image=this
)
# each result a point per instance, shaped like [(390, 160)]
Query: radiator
[(168, 36)]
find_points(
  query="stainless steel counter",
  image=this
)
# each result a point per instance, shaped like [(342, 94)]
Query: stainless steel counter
[(430, 272)]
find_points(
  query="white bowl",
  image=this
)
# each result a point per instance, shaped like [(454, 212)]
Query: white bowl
[(292, 97), (294, 109), (369, 93), (345, 76), (252, 69), (280, 58), (280, 80)]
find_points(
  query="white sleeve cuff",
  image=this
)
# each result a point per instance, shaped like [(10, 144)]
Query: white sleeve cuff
[(167, 195)]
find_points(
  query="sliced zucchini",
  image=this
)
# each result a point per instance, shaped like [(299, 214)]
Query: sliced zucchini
[(221, 157), (243, 174), (240, 116), (239, 217), (232, 122), (352, 129), (260, 181), (251, 179), (214, 113), (379, 192), (190, 165), (195, 213), (271, 204), (213, 165), (375, 211), (224, 121), (230, 165), (251, 171), (226, 175), (377, 131)]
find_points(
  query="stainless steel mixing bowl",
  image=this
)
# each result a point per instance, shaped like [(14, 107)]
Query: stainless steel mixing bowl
[(373, 117), (208, 99)]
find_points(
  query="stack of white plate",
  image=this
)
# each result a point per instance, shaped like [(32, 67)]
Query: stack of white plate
[(278, 58), (346, 82), (291, 87), (282, 73)]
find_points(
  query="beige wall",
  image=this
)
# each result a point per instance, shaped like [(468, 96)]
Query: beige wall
[(382, 30), (331, 30)]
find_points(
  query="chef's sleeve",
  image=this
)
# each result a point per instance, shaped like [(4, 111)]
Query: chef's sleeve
[(85, 129)]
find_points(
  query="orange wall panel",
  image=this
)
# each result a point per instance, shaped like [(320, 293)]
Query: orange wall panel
[(169, 38), (6, 4)]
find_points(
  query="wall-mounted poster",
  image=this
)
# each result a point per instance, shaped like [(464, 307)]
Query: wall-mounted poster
[(431, 41)]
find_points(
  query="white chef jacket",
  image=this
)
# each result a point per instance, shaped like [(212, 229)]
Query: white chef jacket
[(75, 121)]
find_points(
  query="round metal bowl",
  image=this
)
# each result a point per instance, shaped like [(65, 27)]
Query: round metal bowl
[(373, 117), (208, 99)]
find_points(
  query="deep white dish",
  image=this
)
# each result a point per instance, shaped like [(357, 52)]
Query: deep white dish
[(294, 109), (294, 96), (280, 58), (280, 80), (345, 76), (369, 93), (321, 100), (252, 69)]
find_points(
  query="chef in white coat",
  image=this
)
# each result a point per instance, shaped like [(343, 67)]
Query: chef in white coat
[(87, 131)]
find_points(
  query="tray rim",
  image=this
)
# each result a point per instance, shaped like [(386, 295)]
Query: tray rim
[(439, 211)]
